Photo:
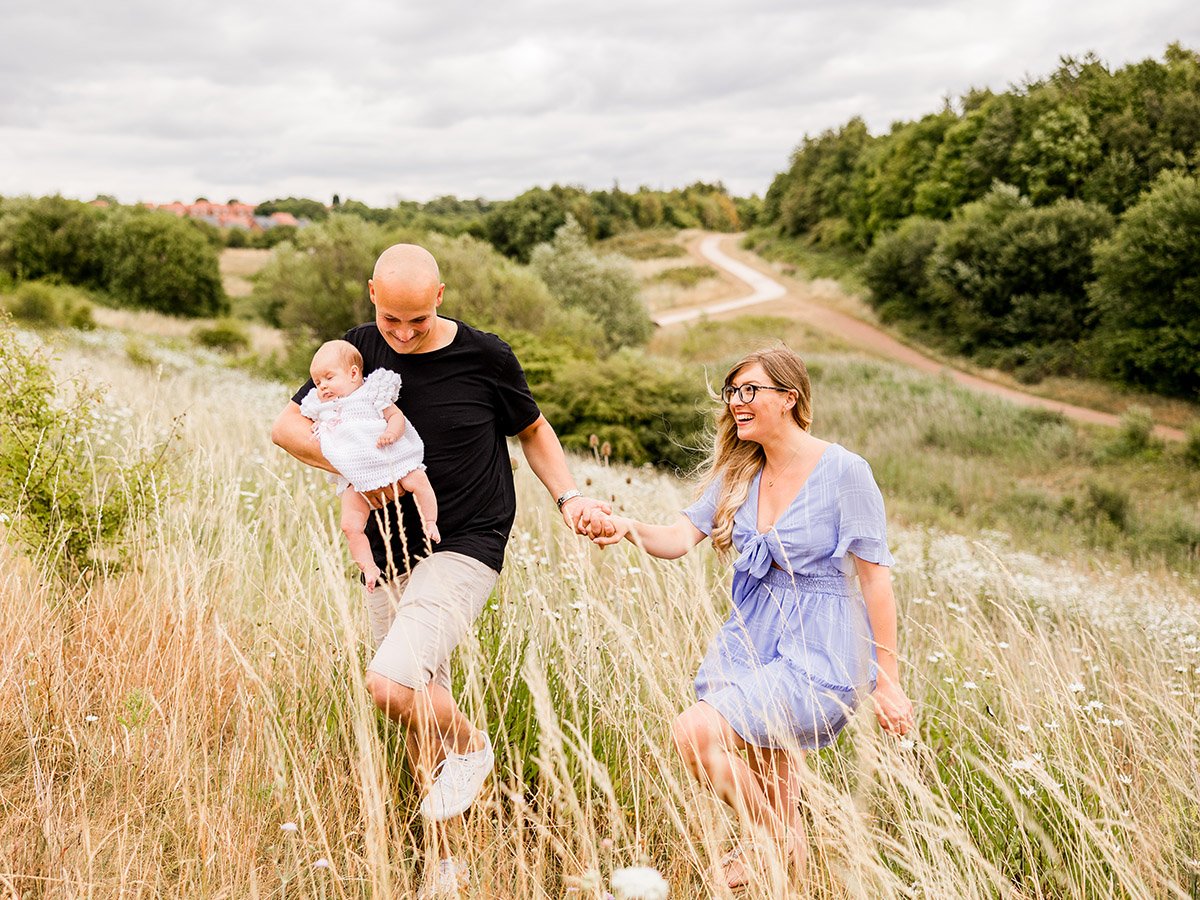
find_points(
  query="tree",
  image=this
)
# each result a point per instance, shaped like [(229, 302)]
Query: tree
[(603, 286), (318, 285), (51, 237), (1147, 291), (896, 271), (154, 260)]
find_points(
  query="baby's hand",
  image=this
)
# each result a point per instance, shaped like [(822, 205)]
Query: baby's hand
[(371, 577), (385, 439)]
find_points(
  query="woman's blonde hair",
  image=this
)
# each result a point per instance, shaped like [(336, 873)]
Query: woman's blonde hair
[(734, 462)]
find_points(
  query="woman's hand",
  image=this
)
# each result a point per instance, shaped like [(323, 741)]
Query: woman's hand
[(893, 709), (615, 528)]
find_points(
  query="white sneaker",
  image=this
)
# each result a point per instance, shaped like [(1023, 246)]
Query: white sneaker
[(457, 782), (452, 875)]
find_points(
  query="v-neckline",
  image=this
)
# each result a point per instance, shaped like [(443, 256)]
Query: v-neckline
[(799, 492)]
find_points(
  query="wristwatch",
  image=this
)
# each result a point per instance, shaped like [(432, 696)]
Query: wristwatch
[(569, 495)]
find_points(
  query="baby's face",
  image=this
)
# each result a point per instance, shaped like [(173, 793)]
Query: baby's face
[(332, 379)]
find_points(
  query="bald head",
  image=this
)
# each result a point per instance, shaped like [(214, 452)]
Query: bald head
[(407, 265)]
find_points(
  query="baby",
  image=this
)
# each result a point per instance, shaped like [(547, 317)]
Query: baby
[(363, 435)]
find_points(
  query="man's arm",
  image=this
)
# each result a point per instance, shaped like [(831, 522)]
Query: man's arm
[(293, 432), (545, 456)]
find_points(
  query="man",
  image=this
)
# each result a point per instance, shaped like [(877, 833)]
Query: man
[(464, 392)]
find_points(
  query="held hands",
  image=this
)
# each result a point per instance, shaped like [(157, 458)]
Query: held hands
[(379, 498), (585, 516), (613, 530)]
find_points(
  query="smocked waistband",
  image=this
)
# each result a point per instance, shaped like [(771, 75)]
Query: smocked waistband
[(812, 584)]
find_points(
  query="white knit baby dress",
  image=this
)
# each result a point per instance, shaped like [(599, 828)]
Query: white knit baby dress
[(349, 426)]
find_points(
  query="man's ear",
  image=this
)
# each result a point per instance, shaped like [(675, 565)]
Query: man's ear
[(371, 290)]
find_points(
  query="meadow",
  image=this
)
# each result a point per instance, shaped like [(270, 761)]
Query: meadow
[(186, 715)]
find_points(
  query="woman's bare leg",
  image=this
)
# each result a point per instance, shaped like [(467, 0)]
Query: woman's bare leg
[(712, 752), (776, 771), (354, 523)]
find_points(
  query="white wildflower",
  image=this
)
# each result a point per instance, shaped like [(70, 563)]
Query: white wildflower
[(1050, 726), (1024, 729), (321, 863), (289, 827), (639, 883), (1076, 687), (970, 685)]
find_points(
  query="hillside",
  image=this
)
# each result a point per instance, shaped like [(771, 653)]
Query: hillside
[(165, 714)]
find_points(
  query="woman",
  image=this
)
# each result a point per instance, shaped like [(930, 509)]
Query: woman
[(788, 667)]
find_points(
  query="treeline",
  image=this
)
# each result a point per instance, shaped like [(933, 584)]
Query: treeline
[(1049, 229), (573, 315), (128, 255), (515, 227)]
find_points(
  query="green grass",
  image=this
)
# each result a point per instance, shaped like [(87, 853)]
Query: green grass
[(808, 261), (686, 276)]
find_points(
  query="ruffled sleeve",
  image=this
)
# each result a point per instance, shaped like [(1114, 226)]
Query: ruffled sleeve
[(861, 523), (382, 387), (702, 511), (310, 405)]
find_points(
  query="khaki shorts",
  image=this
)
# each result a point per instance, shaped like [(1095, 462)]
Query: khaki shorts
[(418, 619)]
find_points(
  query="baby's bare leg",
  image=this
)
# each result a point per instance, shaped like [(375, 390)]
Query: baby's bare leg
[(417, 484), (354, 524)]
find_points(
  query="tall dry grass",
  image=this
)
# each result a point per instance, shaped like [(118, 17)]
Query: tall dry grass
[(162, 719)]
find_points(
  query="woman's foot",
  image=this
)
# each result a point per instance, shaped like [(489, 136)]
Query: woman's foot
[(731, 870)]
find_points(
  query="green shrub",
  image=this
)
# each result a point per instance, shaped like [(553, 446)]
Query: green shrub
[(895, 270), (63, 498), (1107, 503), (1191, 446), (647, 409), (46, 305), (686, 276), (1147, 291), (229, 335)]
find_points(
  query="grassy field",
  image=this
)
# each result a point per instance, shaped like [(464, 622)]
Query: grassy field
[(166, 718)]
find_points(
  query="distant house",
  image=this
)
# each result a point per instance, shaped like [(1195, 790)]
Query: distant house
[(228, 215)]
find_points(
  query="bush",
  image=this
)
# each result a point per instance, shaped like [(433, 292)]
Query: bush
[(686, 276), (604, 287), (1147, 291), (229, 335), (63, 501), (52, 237), (45, 305), (153, 260), (895, 270), (646, 409), (1191, 446)]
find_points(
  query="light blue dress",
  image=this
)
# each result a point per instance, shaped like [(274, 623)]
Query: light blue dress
[(796, 654)]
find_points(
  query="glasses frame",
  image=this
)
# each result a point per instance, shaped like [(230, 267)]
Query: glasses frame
[(730, 391)]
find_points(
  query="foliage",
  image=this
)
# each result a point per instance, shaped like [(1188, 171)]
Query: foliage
[(51, 237), (1006, 274), (1147, 291), (300, 207), (1191, 446), (646, 409), (686, 276), (47, 305), (601, 285), (63, 499), (229, 335), (318, 285), (896, 271), (153, 260), (516, 226)]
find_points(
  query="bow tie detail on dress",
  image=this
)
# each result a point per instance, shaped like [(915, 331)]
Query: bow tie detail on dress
[(752, 566)]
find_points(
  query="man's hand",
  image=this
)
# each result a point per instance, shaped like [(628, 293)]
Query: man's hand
[(587, 517), (379, 498)]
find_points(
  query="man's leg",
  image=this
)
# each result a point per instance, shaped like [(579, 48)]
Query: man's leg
[(408, 678)]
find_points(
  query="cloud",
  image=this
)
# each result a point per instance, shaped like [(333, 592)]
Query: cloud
[(158, 101)]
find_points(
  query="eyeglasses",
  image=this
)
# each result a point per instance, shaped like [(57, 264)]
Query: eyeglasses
[(745, 393)]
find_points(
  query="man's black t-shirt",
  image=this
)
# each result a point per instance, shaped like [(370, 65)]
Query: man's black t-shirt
[(463, 399)]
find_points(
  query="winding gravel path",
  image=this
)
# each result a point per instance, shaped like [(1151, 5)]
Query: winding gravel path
[(754, 272)]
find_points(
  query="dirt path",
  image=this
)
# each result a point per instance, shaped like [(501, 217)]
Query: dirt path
[(722, 251)]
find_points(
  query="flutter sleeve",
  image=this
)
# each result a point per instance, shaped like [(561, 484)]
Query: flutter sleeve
[(861, 524), (382, 387), (702, 511), (310, 405)]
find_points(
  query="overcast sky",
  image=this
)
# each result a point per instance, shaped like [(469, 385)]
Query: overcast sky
[(382, 101)]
